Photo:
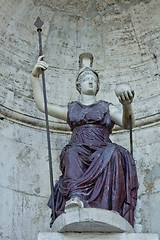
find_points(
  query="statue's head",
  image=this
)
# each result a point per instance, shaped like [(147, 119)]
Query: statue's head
[(81, 76)]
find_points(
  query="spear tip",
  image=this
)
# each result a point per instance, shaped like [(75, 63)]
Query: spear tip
[(38, 23)]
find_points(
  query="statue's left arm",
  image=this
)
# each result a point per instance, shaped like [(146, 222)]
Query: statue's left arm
[(123, 118)]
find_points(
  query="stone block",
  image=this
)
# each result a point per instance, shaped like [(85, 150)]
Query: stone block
[(91, 220), (97, 236)]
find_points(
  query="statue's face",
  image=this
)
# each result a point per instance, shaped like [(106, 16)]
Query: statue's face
[(89, 84)]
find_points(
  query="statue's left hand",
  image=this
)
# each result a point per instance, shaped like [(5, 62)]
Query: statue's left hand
[(126, 97), (124, 93)]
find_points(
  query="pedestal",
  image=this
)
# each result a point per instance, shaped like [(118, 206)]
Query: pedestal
[(93, 224), (97, 236)]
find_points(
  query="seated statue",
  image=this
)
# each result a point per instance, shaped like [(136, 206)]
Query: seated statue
[(96, 173)]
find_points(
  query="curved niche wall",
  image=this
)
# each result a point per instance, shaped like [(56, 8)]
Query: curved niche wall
[(124, 37)]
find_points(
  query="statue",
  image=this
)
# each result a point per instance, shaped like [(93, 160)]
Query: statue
[(96, 173)]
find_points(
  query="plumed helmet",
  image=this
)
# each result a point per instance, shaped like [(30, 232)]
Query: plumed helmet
[(85, 64)]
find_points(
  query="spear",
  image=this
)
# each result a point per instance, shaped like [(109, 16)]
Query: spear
[(38, 23), (131, 138)]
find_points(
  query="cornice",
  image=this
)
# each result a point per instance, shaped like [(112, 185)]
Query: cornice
[(61, 127)]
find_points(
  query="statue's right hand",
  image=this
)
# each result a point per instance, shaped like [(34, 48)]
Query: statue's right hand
[(39, 67)]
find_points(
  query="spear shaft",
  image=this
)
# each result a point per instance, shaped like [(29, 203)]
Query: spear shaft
[(131, 137), (38, 24)]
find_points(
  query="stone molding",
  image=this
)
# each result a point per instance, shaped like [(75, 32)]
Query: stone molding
[(62, 127), (97, 236)]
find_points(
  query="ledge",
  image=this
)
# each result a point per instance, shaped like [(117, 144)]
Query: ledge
[(97, 236), (31, 121)]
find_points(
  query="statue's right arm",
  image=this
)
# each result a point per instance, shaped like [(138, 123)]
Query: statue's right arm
[(53, 110)]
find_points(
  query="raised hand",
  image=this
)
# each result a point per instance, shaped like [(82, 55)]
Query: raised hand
[(124, 93), (39, 67)]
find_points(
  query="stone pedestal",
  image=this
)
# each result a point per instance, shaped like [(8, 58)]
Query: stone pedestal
[(91, 220), (91, 223), (97, 236)]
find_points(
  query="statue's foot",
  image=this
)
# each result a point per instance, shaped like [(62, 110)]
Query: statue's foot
[(73, 204)]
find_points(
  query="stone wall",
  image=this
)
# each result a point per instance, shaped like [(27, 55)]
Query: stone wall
[(124, 37)]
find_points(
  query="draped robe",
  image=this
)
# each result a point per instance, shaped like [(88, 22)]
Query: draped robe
[(100, 173)]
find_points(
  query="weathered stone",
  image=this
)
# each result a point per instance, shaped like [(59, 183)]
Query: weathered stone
[(91, 220), (97, 236)]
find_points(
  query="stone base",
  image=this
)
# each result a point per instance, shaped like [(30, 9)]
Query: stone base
[(97, 236), (93, 224), (91, 220)]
